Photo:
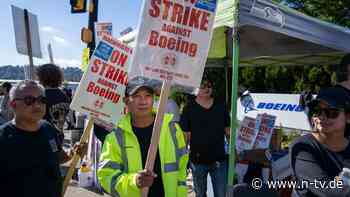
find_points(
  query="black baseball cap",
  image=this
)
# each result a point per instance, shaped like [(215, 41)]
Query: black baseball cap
[(138, 83), (336, 97)]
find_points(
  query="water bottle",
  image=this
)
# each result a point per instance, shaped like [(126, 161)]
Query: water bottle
[(85, 176), (345, 176)]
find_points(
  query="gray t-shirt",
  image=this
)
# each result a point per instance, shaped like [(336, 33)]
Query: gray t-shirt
[(314, 164), (171, 108)]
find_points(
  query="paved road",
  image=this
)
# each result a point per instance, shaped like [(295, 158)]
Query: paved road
[(75, 191)]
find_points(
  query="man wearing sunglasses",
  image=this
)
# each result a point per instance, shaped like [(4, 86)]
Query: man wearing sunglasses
[(30, 150), (318, 158)]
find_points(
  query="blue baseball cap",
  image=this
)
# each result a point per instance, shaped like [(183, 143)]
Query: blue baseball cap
[(336, 97)]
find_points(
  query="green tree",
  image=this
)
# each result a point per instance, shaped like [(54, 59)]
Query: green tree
[(295, 79), (334, 11)]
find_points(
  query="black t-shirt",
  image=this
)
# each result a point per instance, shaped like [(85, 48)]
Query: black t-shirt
[(57, 107), (100, 132), (144, 136), (29, 162), (207, 127), (345, 89), (311, 160), (347, 131)]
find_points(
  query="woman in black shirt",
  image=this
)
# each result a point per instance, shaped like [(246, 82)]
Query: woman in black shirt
[(317, 159), (57, 107)]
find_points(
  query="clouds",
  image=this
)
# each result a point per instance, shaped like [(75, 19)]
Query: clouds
[(63, 48), (60, 40), (62, 62), (67, 62), (54, 35), (48, 29)]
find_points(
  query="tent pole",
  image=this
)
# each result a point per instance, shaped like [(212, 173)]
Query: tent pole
[(235, 64), (226, 81)]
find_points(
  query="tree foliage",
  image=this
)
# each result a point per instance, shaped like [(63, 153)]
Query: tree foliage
[(294, 79), (290, 79), (334, 11)]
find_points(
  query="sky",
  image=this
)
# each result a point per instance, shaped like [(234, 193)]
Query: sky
[(61, 28)]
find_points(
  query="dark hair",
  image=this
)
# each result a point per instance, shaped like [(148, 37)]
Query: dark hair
[(335, 96), (7, 85), (342, 69), (50, 75), (207, 78)]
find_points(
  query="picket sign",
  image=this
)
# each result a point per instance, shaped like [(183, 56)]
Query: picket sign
[(84, 138), (27, 37), (171, 49), (152, 151), (100, 90)]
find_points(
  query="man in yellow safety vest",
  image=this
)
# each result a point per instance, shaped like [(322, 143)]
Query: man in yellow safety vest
[(125, 149)]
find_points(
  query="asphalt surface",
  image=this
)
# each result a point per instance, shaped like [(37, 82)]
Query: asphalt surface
[(75, 191)]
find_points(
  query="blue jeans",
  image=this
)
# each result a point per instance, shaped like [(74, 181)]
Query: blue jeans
[(218, 175)]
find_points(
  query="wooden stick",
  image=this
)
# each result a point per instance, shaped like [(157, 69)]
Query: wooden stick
[(29, 46), (76, 157), (49, 49), (153, 147)]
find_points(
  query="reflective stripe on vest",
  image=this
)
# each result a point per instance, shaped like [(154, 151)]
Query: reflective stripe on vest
[(171, 167), (179, 152), (114, 180), (182, 151), (119, 135), (120, 138), (110, 165)]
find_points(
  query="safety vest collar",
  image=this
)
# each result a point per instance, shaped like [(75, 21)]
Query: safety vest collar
[(125, 121)]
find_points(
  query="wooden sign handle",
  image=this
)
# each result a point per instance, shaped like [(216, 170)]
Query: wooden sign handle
[(30, 75), (153, 147), (76, 157)]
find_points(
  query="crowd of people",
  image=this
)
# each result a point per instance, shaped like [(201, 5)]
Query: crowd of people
[(34, 115)]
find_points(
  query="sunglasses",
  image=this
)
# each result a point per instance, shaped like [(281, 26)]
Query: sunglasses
[(30, 100), (330, 113)]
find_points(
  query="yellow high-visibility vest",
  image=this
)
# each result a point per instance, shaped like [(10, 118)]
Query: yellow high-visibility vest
[(120, 160)]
